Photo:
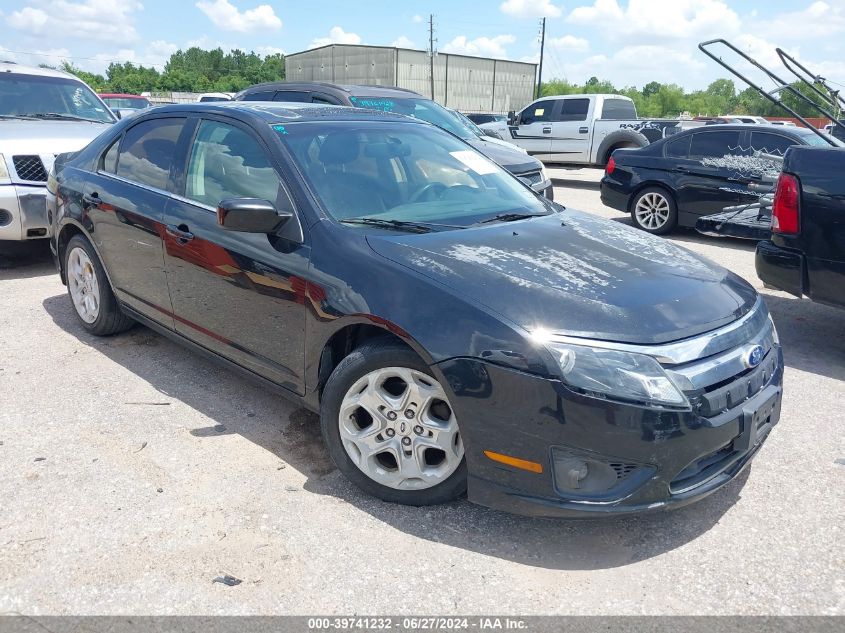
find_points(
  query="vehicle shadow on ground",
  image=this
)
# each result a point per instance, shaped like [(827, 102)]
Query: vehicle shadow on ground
[(27, 260), (235, 405), (810, 333), (575, 184)]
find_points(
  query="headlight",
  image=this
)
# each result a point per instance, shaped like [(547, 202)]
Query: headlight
[(544, 174), (52, 183), (4, 172), (617, 375), (775, 336)]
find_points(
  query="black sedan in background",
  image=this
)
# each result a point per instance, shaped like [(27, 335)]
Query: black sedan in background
[(676, 180), (454, 330)]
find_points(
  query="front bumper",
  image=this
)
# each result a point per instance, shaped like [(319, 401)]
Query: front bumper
[(23, 212), (664, 459)]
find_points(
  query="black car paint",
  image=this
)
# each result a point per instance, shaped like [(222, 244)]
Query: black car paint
[(307, 293), (512, 159), (811, 263), (698, 189)]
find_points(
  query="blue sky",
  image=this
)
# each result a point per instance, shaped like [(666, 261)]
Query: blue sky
[(629, 42)]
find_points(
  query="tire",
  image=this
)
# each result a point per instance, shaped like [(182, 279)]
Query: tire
[(654, 211), (362, 394), (89, 291)]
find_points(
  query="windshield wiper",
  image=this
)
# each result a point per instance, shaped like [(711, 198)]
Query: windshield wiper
[(15, 116), (58, 116), (413, 227), (510, 217)]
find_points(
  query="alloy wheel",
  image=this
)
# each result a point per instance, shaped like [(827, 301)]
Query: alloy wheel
[(398, 428), (652, 211), (83, 285)]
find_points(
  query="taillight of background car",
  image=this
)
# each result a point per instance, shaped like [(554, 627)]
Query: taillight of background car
[(611, 165), (785, 212)]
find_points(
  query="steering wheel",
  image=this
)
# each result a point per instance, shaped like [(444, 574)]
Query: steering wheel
[(429, 191)]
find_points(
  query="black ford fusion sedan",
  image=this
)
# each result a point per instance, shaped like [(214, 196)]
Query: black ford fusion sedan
[(455, 331)]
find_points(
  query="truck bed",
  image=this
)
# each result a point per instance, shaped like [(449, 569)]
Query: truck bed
[(747, 224)]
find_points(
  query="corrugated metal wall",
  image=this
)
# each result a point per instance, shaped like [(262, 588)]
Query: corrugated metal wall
[(469, 84)]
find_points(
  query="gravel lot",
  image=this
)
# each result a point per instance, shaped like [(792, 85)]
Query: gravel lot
[(132, 473)]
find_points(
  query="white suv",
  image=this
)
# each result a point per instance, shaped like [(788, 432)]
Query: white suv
[(42, 113)]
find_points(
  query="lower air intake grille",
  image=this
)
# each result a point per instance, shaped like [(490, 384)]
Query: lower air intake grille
[(30, 168)]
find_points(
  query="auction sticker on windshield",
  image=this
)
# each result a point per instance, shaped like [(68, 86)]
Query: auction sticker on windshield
[(475, 162)]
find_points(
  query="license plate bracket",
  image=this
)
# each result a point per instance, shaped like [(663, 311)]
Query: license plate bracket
[(759, 415)]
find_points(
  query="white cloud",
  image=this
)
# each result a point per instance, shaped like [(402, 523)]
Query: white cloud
[(336, 36), (100, 20), (480, 46), (820, 19), (28, 19), (226, 16), (417, 19), (531, 9), (264, 51), (569, 43), (402, 42), (635, 65), (668, 19)]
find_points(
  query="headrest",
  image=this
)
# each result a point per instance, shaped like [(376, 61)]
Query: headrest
[(339, 149)]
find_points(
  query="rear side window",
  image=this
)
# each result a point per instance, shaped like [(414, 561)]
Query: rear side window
[(540, 111), (147, 152), (771, 143), (618, 109), (108, 162), (264, 95), (227, 162), (573, 110), (295, 96), (714, 144), (317, 98), (679, 147)]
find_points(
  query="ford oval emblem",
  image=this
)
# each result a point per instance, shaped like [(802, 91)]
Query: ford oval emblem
[(754, 356)]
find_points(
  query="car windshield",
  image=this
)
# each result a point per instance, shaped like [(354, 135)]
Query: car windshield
[(49, 97), (132, 103), (419, 108), (403, 172)]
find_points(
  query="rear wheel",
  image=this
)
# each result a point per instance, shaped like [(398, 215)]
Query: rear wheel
[(88, 287), (654, 210), (390, 428)]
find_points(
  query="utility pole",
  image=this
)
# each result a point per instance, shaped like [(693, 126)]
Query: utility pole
[(542, 48), (431, 51)]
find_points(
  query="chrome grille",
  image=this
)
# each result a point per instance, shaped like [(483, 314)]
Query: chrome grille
[(30, 168)]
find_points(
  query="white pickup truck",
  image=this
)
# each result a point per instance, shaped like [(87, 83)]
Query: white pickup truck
[(581, 128)]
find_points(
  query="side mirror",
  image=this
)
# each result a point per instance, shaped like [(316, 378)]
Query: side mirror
[(512, 118), (250, 215)]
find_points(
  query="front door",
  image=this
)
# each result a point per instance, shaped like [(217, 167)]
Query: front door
[(533, 130), (235, 293)]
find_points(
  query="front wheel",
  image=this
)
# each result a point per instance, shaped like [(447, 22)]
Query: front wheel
[(390, 428), (88, 287), (654, 210)]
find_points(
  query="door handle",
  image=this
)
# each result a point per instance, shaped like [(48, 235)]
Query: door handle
[(181, 233), (583, 130), (683, 170), (93, 200), (547, 130)]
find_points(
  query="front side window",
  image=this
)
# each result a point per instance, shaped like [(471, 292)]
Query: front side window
[(538, 112), (714, 144), (402, 171), (147, 151), (40, 97), (227, 162), (264, 95)]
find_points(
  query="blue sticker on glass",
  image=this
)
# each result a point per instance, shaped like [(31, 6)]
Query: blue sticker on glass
[(385, 105), (280, 129)]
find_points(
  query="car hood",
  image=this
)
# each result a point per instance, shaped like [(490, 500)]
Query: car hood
[(18, 136), (569, 273), (512, 159)]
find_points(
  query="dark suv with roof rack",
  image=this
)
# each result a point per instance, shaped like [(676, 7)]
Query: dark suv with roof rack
[(402, 101)]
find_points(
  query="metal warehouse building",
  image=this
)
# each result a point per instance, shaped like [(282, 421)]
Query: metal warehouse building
[(469, 84)]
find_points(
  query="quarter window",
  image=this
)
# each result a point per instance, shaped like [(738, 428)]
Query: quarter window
[(147, 151), (108, 163), (227, 162), (679, 147), (714, 144)]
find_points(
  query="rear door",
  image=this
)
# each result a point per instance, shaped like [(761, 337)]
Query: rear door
[(708, 179), (238, 294), (533, 131), (126, 200), (571, 130)]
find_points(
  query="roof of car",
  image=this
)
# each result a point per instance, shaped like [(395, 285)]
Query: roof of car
[(350, 89), (12, 67), (754, 127), (120, 95), (282, 112)]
